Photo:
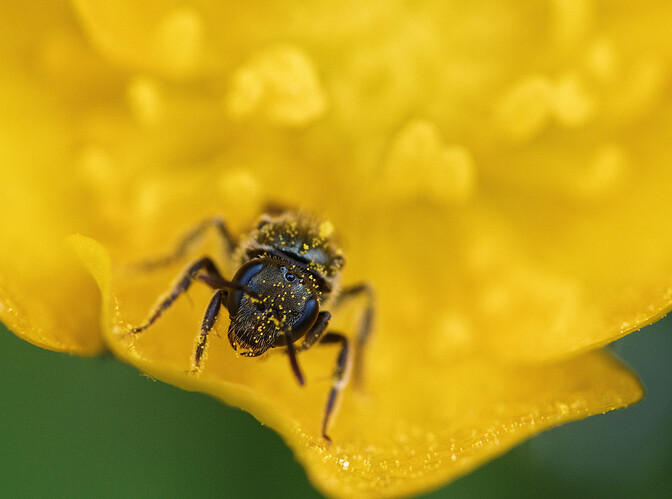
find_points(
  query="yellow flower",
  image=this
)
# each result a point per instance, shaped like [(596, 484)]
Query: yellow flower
[(497, 172)]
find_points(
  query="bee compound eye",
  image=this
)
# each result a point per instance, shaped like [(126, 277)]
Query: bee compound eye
[(307, 319), (242, 277)]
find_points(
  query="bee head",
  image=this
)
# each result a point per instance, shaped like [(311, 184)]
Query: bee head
[(280, 301)]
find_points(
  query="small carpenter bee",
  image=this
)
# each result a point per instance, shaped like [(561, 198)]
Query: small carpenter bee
[(288, 273)]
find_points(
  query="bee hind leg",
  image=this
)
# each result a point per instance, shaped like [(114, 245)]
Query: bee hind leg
[(361, 290), (340, 377), (188, 241)]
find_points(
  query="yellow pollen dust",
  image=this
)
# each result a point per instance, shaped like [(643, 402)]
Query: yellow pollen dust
[(97, 165), (601, 60), (572, 19), (279, 84), (572, 104), (145, 100), (326, 229), (525, 108), (178, 40), (240, 189), (529, 106), (421, 166), (605, 172)]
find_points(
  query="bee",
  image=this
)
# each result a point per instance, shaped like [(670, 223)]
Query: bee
[(288, 277)]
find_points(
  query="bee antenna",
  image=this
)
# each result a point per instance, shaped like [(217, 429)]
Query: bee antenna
[(218, 282)]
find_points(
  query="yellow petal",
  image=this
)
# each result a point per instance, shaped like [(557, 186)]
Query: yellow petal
[(498, 174), (530, 202), (188, 41), (418, 422), (45, 295)]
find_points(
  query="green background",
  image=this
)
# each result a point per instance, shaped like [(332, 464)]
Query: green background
[(84, 427)]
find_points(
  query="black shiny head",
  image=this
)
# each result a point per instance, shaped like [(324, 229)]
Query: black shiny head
[(282, 301)]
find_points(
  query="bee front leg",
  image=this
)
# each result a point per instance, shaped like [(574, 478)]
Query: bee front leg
[(291, 352), (315, 331), (209, 319), (212, 277)]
